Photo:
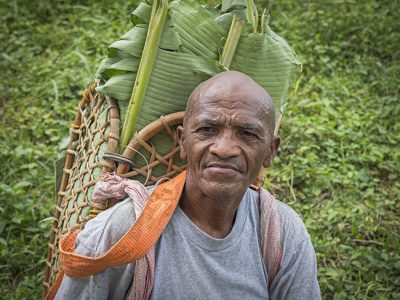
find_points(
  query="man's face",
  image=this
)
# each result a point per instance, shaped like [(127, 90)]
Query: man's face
[(226, 139)]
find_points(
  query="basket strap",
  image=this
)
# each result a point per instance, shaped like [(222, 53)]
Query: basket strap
[(51, 294), (142, 235), (271, 246), (136, 242)]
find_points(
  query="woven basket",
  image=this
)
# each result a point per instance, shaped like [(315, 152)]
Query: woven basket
[(92, 151)]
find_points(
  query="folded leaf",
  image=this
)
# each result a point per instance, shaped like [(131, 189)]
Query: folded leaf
[(118, 87), (141, 14), (190, 49)]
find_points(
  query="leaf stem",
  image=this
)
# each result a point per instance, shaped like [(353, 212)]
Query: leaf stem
[(263, 20), (156, 24), (252, 14), (232, 41)]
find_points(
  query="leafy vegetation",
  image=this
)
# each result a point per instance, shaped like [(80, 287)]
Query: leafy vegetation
[(339, 161), (180, 45)]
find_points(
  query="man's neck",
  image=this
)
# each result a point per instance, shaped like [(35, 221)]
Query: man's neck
[(214, 216)]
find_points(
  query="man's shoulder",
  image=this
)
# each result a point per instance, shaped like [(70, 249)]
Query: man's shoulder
[(294, 234), (291, 222), (292, 228), (101, 232)]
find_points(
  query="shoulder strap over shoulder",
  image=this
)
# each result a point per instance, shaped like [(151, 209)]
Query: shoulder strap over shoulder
[(133, 246), (270, 234)]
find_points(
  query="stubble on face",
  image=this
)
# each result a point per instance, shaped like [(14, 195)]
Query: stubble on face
[(228, 125)]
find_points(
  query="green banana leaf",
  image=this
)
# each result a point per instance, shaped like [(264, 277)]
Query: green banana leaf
[(175, 45)]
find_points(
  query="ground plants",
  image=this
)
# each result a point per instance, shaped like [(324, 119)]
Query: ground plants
[(339, 161)]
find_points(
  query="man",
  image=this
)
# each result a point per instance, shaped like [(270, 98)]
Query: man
[(210, 248)]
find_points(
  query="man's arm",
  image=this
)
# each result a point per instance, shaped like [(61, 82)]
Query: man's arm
[(297, 277), (98, 236)]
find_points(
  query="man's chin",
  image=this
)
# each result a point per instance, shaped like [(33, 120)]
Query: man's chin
[(223, 189)]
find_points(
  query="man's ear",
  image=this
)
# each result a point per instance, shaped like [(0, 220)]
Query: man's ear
[(181, 137), (273, 148)]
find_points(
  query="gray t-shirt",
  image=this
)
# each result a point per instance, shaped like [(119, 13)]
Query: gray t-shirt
[(199, 266), (192, 265)]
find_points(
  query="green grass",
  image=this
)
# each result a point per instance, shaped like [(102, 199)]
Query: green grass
[(339, 161)]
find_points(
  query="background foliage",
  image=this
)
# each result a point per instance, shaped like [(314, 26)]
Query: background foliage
[(339, 161)]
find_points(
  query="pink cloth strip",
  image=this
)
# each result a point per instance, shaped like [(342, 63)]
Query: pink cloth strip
[(116, 187), (270, 234)]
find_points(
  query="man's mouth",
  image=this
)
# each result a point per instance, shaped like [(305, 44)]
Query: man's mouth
[(222, 167)]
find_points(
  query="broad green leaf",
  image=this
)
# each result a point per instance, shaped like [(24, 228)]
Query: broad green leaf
[(200, 34), (192, 44), (229, 5), (225, 20), (104, 65), (142, 13), (122, 66), (136, 34), (118, 87), (170, 39), (269, 61), (131, 43), (166, 93), (119, 48)]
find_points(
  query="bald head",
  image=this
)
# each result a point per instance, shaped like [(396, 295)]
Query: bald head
[(227, 136), (235, 87)]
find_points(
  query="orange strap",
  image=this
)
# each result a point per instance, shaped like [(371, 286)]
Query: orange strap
[(142, 235), (56, 285), (136, 242)]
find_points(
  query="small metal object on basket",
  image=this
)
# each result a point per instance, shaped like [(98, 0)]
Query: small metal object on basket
[(118, 158)]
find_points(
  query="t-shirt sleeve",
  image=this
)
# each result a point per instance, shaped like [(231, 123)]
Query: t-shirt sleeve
[(297, 276), (98, 236)]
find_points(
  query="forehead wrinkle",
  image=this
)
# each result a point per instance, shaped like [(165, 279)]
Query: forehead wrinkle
[(234, 87), (259, 100), (249, 126), (252, 110), (244, 113), (240, 121), (238, 106)]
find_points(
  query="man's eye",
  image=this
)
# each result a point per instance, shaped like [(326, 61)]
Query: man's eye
[(249, 134), (206, 130)]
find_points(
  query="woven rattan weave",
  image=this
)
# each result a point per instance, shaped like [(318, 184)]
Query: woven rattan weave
[(94, 132), (162, 161), (93, 150)]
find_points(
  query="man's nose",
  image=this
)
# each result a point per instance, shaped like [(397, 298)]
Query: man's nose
[(225, 146)]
